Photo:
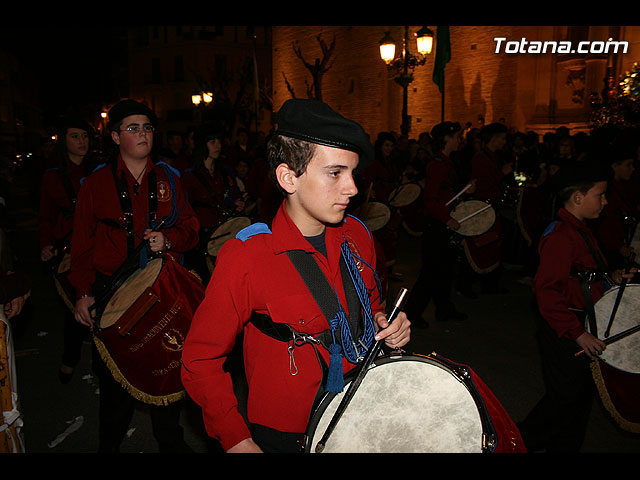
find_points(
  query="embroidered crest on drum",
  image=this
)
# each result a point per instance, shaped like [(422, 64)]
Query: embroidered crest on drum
[(166, 319), (173, 340), (164, 192)]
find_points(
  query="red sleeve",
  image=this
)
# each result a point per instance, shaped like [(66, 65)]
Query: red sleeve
[(212, 335), (82, 274), (554, 288), (434, 202), (184, 234)]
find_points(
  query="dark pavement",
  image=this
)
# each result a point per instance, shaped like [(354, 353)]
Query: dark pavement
[(496, 341)]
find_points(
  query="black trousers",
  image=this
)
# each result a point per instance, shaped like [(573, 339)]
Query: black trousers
[(434, 282), (275, 441), (558, 422), (116, 409)]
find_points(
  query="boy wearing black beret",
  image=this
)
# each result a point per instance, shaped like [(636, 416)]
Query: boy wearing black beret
[(259, 289)]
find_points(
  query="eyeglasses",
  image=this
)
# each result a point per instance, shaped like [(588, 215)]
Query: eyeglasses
[(137, 128)]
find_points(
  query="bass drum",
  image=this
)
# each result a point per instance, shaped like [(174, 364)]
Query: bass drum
[(617, 370), (416, 404), (143, 326)]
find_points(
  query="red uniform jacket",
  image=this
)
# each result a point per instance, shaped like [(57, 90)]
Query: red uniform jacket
[(486, 169), (440, 187), (611, 227), (210, 211), (98, 246), (257, 275), (562, 249), (55, 217)]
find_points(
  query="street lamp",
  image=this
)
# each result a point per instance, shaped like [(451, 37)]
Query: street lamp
[(403, 66)]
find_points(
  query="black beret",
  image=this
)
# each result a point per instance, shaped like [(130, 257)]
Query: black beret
[(445, 128), (74, 122), (582, 172), (126, 108), (314, 121)]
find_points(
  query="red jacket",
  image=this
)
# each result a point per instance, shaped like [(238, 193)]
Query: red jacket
[(210, 209), (97, 245), (612, 229), (257, 275), (486, 169), (440, 187), (55, 217), (563, 250)]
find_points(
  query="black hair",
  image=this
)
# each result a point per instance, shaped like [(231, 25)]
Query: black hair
[(294, 153)]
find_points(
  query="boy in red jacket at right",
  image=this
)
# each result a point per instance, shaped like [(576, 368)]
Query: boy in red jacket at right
[(568, 251)]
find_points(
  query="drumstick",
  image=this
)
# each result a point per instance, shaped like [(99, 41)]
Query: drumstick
[(363, 368), (617, 337), (474, 214), (459, 193), (615, 307)]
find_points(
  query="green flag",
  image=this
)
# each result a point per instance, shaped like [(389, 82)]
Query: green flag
[(443, 55)]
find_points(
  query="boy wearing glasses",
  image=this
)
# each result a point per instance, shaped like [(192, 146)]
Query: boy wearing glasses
[(104, 238)]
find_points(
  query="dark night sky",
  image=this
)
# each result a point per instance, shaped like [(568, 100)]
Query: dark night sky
[(68, 65)]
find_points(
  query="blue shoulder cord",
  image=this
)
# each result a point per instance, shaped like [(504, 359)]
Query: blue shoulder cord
[(352, 351)]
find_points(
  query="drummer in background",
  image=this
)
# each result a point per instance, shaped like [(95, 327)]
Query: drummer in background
[(312, 156), (212, 191), (438, 252), (616, 225), (100, 245), (59, 191), (558, 422), (488, 172)]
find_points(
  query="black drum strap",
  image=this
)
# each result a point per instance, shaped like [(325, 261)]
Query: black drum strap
[(585, 283), (126, 206)]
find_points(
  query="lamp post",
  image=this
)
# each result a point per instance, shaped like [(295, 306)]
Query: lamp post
[(198, 97), (403, 66)]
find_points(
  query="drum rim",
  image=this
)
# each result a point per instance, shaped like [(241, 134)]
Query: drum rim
[(163, 260), (488, 430)]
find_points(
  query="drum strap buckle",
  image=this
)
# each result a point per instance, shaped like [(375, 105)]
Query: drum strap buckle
[(298, 339)]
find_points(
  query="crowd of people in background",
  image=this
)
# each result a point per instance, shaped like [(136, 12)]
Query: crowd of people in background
[(226, 176)]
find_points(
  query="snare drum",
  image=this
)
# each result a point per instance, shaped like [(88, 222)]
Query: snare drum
[(61, 281), (416, 404), (617, 370), (475, 217), (143, 326), (404, 194), (226, 231), (375, 215)]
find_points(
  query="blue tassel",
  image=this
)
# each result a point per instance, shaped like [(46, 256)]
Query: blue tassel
[(335, 379)]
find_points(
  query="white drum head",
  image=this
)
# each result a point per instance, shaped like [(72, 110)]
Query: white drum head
[(130, 291), (224, 232), (472, 223), (404, 194), (404, 406), (625, 353), (375, 215)]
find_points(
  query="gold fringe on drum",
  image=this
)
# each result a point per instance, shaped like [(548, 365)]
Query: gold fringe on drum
[(161, 400), (608, 401)]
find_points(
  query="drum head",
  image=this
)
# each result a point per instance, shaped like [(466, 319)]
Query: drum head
[(130, 291), (404, 405), (477, 224), (404, 194), (65, 263), (224, 232), (625, 353), (375, 215)]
